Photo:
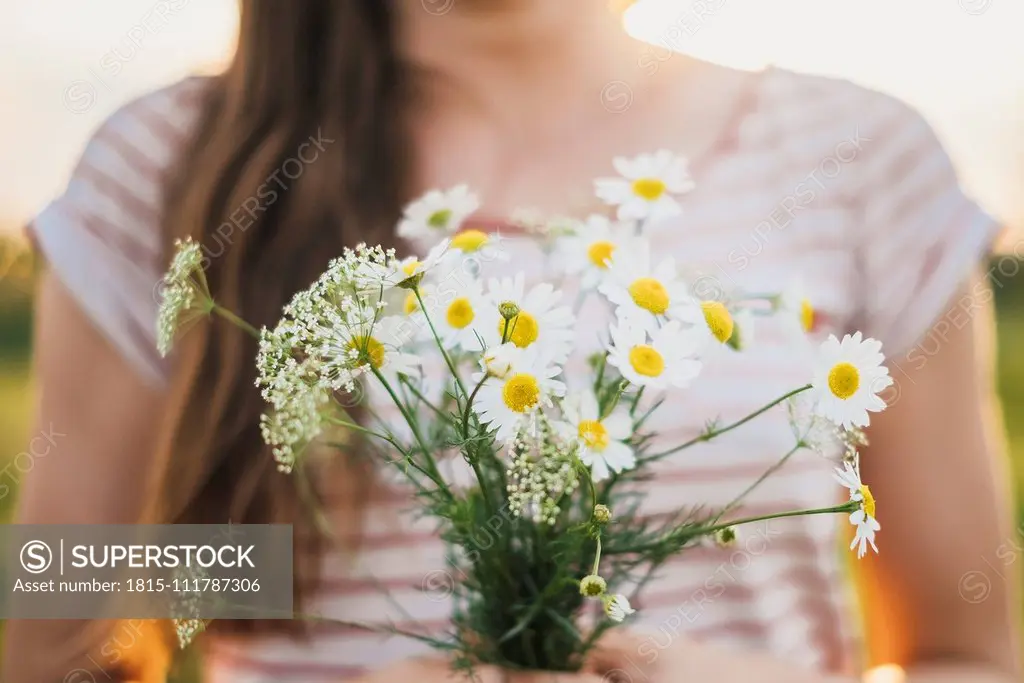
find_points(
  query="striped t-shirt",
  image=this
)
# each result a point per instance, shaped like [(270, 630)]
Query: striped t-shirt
[(844, 186)]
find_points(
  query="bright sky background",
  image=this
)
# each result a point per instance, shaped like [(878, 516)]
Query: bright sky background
[(961, 62)]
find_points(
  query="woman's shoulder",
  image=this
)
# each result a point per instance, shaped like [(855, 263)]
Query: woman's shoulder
[(862, 134), (102, 236), (916, 232), (825, 117), (149, 131), (798, 97)]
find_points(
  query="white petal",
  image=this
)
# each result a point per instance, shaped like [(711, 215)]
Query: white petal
[(588, 406), (619, 425), (619, 456), (598, 467)]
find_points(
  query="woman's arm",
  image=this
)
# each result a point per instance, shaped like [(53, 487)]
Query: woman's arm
[(96, 475), (943, 590)]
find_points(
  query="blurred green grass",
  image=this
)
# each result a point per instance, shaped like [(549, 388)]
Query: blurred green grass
[(17, 393)]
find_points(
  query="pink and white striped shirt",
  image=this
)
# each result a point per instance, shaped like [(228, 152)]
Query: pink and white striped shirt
[(845, 186)]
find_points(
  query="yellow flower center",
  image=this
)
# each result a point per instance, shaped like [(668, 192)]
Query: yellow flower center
[(599, 253), (521, 393), (648, 188), (719, 320), (646, 360), (439, 219), (469, 240), (369, 349), (523, 329), (593, 434), (869, 500), (460, 313), (843, 380), (650, 295), (410, 267), (806, 315), (411, 305)]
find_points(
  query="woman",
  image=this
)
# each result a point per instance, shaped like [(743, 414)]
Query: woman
[(335, 113)]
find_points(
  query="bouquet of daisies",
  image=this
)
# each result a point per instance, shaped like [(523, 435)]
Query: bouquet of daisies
[(472, 366)]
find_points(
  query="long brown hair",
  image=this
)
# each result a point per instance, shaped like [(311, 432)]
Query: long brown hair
[(300, 149)]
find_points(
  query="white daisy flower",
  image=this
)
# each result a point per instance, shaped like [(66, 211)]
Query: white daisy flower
[(499, 360), (506, 402), (617, 607), (601, 446), (412, 265), (848, 377), (471, 248), (373, 276), (795, 303), (540, 319), (720, 323), (399, 272), (437, 213), (459, 316), (646, 187), (546, 230), (668, 357), (372, 346), (644, 293), (588, 252), (864, 518)]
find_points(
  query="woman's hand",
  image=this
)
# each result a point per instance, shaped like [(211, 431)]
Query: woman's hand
[(628, 657), (438, 670)]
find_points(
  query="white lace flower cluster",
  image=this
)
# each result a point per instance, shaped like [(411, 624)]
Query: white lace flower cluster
[(331, 335), (183, 293)]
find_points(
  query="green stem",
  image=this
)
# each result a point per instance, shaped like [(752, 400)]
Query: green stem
[(689, 533), (707, 436), (636, 401), (419, 395), (600, 374), (593, 505), (845, 507), (440, 346), (308, 497), (469, 407), (436, 474), (359, 428), (619, 390), (484, 489), (397, 446), (757, 482), (234, 319)]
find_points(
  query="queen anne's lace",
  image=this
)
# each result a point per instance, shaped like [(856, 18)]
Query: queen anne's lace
[(299, 365), (182, 291)]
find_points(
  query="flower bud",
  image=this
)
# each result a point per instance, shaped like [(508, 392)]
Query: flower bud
[(726, 538), (593, 586), (508, 309), (602, 515)]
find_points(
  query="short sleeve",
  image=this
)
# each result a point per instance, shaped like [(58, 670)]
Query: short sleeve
[(919, 235), (102, 236)]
